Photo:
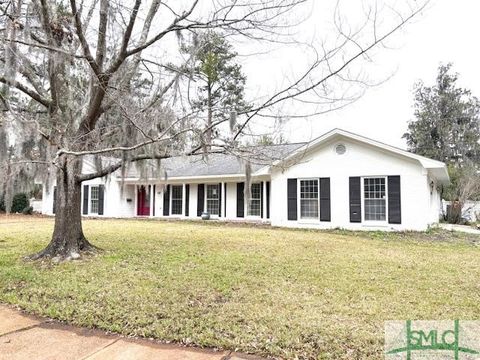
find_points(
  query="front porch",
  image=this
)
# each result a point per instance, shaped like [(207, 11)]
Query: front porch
[(222, 200)]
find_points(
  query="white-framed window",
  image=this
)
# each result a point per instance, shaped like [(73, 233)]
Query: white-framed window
[(177, 200), (94, 191), (213, 199), (309, 199), (254, 208), (375, 199)]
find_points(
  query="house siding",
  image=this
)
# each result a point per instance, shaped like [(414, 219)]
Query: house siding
[(359, 160), (115, 203), (420, 203)]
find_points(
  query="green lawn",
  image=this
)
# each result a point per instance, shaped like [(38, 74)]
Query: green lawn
[(277, 292)]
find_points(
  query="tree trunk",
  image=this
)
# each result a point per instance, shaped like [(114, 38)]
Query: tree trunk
[(68, 241), (208, 133)]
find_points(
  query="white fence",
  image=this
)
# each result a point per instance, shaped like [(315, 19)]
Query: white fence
[(36, 205), (470, 211)]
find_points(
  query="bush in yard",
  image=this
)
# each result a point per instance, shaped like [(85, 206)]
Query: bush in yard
[(20, 202), (27, 211)]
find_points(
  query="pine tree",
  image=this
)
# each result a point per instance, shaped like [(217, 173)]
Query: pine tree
[(219, 78)]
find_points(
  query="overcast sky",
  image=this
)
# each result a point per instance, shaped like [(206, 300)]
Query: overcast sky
[(446, 32)]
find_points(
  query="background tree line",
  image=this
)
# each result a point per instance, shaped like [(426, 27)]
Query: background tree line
[(447, 128)]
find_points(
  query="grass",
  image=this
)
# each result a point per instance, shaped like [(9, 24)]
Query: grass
[(275, 292)]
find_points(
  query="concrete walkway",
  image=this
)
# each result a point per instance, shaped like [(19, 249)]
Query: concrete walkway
[(459, 228), (25, 337)]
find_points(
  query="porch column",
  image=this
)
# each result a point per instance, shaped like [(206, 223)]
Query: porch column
[(184, 202), (224, 199), (150, 191), (135, 201), (264, 199)]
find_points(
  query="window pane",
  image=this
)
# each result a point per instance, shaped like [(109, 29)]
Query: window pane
[(94, 199), (309, 199), (254, 208), (176, 207), (177, 191), (212, 207), (177, 199), (308, 209), (375, 202), (255, 191), (213, 199), (212, 191)]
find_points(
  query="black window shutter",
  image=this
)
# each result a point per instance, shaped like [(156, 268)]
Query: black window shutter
[(187, 199), (54, 198), (355, 200), (268, 199), (292, 199), (154, 194), (200, 199), (85, 199), (240, 200), (166, 201), (101, 199), (394, 200), (261, 199), (325, 207), (219, 189), (225, 201)]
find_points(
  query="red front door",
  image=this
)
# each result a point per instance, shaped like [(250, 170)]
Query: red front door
[(143, 201)]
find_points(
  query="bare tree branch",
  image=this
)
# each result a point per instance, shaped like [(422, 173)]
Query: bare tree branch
[(31, 93), (102, 34), (81, 36)]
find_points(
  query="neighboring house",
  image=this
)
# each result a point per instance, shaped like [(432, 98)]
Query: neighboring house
[(339, 180)]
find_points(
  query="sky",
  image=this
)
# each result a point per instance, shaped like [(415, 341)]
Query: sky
[(447, 31)]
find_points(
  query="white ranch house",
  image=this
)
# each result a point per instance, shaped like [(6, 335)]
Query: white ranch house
[(339, 180)]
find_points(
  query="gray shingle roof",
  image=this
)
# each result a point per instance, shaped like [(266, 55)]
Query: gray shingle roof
[(215, 164)]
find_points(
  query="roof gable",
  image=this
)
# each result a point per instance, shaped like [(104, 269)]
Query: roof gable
[(437, 168)]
